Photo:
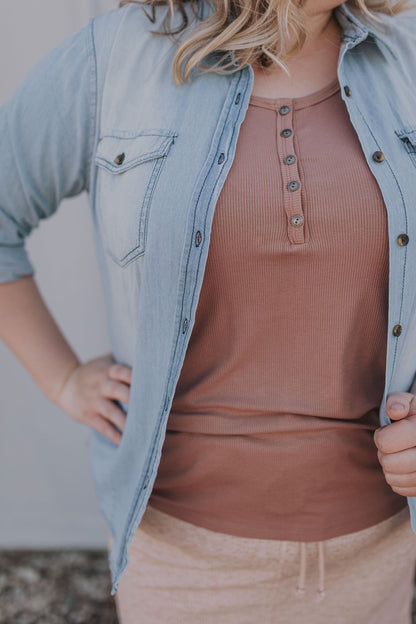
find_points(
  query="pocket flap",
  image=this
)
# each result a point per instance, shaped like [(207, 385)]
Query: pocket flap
[(117, 154), (407, 136)]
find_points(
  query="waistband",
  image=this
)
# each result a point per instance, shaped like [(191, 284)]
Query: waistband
[(344, 548)]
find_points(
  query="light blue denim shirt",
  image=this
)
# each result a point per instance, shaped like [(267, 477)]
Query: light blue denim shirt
[(101, 113)]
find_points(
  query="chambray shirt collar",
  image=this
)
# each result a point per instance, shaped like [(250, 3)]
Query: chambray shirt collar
[(356, 30)]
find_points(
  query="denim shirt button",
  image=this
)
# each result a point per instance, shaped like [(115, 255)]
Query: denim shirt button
[(221, 158), (119, 159), (397, 330), (402, 240), (347, 91), (185, 325), (378, 157), (198, 238)]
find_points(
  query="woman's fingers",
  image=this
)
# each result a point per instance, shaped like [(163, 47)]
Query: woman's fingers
[(110, 411), (115, 386), (119, 372), (398, 463), (401, 480), (104, 426), (91, 393), (115, 390)]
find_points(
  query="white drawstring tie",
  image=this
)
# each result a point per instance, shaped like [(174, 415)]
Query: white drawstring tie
[(300, 590), (302, 569), (321, 588)]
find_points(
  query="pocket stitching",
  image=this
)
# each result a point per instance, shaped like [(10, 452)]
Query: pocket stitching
[(409, 143), (109, 165), (142, 214)]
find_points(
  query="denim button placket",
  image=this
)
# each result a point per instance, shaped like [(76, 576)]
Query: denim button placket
[(402, 240), (397, 330), (378, 157)]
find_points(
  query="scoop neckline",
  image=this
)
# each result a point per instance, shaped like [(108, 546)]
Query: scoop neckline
[(297, 102)]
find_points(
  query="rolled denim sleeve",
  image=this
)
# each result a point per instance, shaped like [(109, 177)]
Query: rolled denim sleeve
[(46, 137)]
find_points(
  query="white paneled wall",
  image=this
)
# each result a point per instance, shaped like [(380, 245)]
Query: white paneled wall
[(47, 498)]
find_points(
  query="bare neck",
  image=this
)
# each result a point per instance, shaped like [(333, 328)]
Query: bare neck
[(312, 68)]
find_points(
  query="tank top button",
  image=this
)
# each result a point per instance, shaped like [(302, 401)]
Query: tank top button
[(289, 160), (293, 185), (297, 220)]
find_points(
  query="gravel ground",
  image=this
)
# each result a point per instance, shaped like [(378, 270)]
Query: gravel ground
[(55, 587), (59, 587)]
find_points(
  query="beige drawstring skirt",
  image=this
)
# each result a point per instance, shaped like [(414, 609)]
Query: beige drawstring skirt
[(180, 573)]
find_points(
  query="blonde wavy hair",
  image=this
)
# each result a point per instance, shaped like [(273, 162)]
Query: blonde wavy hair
[(252, 31)]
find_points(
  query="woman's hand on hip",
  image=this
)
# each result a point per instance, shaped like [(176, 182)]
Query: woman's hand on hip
[(88, 395), (396, 443)]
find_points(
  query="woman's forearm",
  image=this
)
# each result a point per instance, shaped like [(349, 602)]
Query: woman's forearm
[(29, 330)]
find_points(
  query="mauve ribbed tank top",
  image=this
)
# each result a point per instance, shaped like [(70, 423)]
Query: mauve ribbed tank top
[(270, 433)]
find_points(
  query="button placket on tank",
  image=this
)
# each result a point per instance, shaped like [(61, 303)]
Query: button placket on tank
[(292, 200)]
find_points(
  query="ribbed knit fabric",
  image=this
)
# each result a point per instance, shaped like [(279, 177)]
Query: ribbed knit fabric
[(270, 434)]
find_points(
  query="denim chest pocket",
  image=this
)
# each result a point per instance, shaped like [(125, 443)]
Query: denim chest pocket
[(129, 168), (408, 138)]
